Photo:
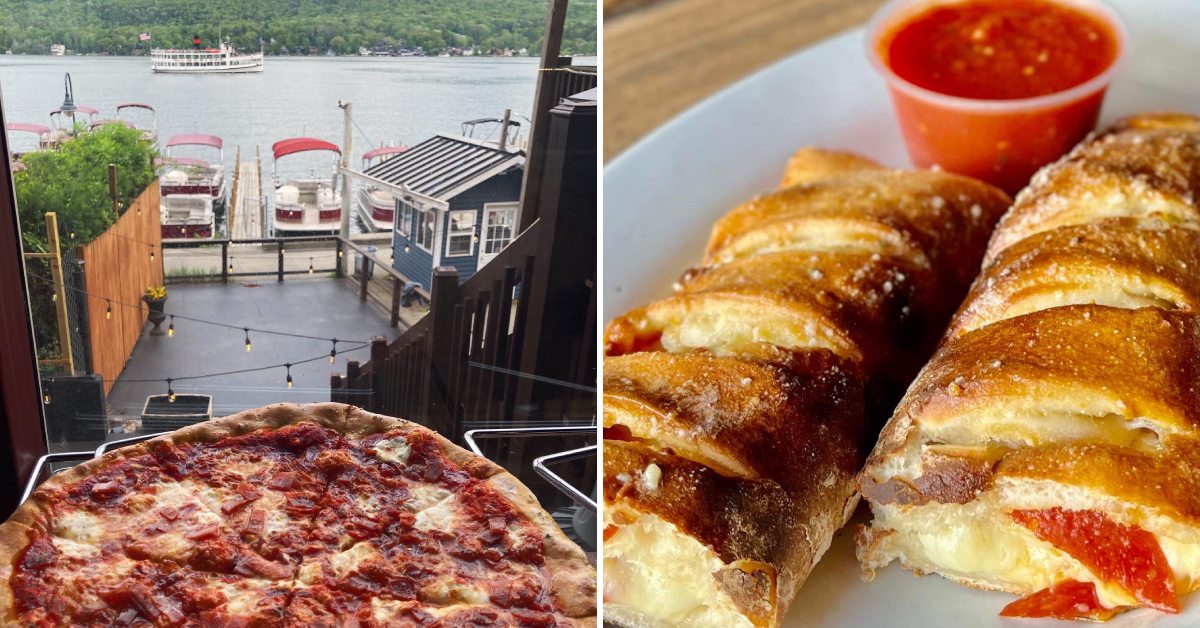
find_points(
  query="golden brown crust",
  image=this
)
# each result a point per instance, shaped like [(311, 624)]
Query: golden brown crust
[(571, 577), (1143, 169), (1123, 262), (892, 309), (739, 519), (809, 165), (742, 418), (945, 215)]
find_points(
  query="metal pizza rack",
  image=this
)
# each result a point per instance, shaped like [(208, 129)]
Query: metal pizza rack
[(580, 524), (45, 465)]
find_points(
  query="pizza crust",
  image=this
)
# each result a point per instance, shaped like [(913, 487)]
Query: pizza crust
[(572, 581)]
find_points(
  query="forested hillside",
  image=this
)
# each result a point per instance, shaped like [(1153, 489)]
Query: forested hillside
[(290, 26)]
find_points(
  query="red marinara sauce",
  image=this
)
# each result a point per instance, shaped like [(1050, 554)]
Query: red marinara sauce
[(995, 89), (1000, 49)]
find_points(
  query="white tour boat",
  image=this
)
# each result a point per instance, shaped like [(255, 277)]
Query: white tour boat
[(222, 60)]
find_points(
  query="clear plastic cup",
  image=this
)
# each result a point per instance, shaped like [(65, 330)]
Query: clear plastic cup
[(1002, 142)]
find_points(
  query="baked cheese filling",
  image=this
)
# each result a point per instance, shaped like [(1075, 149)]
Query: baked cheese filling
[(655, 569), (1111, 291), (981, 543)]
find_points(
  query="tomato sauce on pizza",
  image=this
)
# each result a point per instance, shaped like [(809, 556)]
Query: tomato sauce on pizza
[(295, 525)]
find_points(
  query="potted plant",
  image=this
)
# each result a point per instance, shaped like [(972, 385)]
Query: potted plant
[(156, 299)]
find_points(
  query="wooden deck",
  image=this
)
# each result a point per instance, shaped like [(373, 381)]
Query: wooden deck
[(245, 217)]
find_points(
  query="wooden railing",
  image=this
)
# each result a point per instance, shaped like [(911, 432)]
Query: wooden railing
[(460, 364)]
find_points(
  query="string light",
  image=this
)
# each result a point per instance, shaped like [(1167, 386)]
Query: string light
[(170, 391), (231, 264), (247, 330), (46, 394), (339, 253), (72, 234), (54, 296), (333, 351), (310, 266), (406, 247), (108, 310), (171, 327), (289, 375), (152, 252)]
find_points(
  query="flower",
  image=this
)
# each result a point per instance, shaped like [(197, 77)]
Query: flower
[(155, 293)]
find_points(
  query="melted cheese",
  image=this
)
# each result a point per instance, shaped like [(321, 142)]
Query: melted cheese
[(73, 549), (309, 574), (976, 542), (655, 569), (447, 591), (395, 450), (422, 497), (347, 561), (439, 515), (79, 526)]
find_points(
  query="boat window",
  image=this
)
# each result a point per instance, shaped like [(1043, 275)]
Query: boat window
[(461, 239)]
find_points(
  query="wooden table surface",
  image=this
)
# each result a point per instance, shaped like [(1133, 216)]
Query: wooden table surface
[(663, 56)]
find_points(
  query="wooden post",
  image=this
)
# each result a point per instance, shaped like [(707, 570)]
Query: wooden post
[(396, 288), (336, 392), (443, 296), (230, 213), (112, 188), (60, 302), (347, 147), (543, 101), (363, 278), (378, 355)]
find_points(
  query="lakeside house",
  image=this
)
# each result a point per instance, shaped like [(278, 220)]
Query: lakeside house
[(461, 205)]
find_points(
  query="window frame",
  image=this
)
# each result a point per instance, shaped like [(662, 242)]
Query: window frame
[(469, 233), (424, 218)]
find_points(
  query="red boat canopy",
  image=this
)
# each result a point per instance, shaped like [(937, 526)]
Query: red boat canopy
[(195, 139), (137, 105), (383, 150), (301, 144), (181, 161), (27, 127)]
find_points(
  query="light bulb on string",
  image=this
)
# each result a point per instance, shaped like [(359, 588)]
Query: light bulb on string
[(108, 310), (289, 375), (310, 266), (339, 253), (333, 352), (231, 264), (152, 252), (406, 247), (171, 327), (46, 394), (54, 296), (247, 330), (170, 391)]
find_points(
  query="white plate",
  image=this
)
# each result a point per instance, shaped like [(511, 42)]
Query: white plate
[(662, 196)]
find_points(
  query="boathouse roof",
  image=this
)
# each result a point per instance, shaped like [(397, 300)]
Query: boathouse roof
[(444, 166)]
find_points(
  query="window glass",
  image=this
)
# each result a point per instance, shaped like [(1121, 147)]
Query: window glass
[(461, 239)]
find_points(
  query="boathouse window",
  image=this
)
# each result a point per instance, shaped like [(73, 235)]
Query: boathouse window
[(423, 237), (404, 224), (461, 239)]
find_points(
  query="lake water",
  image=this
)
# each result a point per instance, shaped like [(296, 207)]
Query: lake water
[(396, 99)]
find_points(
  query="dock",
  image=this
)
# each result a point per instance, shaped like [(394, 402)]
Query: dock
[(245, 216)]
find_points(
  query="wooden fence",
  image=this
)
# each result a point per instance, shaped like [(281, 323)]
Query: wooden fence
[(118, 266)]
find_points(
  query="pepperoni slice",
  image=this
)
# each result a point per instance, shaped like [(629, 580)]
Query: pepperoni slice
[(1065, 600), (1125, 555)]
